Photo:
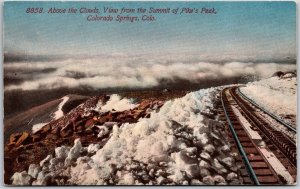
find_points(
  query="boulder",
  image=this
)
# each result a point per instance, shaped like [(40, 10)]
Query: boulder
[(278, 74), (34, 170), (208, 180), (14, 137), (22, 139), (21, 179), (219, 180)]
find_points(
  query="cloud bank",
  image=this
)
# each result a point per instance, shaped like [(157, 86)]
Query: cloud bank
[(128, 72)]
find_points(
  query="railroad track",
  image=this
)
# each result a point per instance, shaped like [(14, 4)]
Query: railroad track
[(256, 169), (279, 120)]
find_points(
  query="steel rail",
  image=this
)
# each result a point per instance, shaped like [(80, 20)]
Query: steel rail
[(240, 147), (266, 111)]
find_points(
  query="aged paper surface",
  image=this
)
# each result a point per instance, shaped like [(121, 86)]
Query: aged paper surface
[(149, 93)]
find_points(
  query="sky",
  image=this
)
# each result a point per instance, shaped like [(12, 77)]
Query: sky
[(255, 29)]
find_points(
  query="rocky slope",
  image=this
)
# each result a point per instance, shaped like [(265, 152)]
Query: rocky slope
[(82, 122), (112, 141)]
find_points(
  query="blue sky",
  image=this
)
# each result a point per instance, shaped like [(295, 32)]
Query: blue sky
[(239, 28)]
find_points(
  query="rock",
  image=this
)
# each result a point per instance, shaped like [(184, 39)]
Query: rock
[(21, 179), (218, 167), (14, 137), (74, 152), (208, 180), (160, 173), (151, 173), (191, 150), (42, 179), (228, 161), (52, 137), (144, 105), (219, 179), (209, 148), (93, 148), (185, 182), (231, 176), (79, 129), (103, 131), (163, 164), (184, 159), (235, 182), (22, 138), (225, 148), (196, 182), (192, 171), (161, 180), (34, 170), (278, 74), (67, 130), (205, 156), (61, 152), (45, 129), (288, 75), (36, 137), (203, 164), (46, 161), (128, 179), (204, 172), (56, 131), (89, 123), (55, 164)]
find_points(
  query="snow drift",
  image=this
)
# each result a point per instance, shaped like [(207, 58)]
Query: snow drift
[(278, 95), (177, 145)]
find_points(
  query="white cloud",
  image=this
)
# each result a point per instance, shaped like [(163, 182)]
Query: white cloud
[(134, 72)]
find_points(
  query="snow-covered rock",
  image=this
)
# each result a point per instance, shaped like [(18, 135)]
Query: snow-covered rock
[(117, 103), (74, 151), (34, 170), (61, 152), (92, 148), (208, 180), (46, 161), (21, 178), (172, 146)]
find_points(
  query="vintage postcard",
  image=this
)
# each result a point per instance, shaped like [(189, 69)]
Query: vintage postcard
[(150, 93)]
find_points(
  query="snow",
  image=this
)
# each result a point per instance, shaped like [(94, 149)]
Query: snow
[(277, 95), (278, 126), (176, 145), (102, 131), (61, 152), (21, 179), (277, 165), (34, 170), (59, 113), (46, 160), (93, 148), (117, 103), (74, 151), (170, 147), (247, 126), (38, 126)]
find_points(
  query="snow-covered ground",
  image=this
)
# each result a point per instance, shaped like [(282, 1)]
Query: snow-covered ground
[(277, 95), (59, 113), (117, 103), (177, 145), (37, 127), (56, 115)]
